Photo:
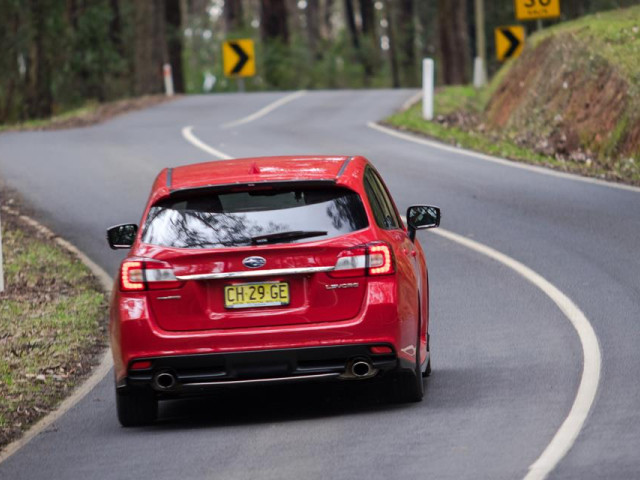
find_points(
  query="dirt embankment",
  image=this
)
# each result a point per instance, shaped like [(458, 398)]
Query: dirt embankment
[(563, 98)]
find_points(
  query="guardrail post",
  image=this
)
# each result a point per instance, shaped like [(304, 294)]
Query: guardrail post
[(168, 79), (428, 70), (1, 262), (479, 77)]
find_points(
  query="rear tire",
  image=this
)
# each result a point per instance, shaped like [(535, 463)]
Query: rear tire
[(136, 407), (409, 386), (427, 371)]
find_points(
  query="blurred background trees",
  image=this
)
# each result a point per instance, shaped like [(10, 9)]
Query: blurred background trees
[(60, 54)]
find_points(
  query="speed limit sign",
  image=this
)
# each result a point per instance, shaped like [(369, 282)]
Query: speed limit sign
[(534, 9)]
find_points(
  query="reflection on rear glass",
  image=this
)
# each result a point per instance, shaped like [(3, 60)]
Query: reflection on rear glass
[(215, 220)]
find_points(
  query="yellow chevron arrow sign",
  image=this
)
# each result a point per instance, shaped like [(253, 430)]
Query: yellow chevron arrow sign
[(509, 41), (238, 58)]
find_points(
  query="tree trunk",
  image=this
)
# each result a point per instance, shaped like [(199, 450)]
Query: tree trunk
[(273, 20), (406, 42), (39, 94), (197, 8), (427, 23), (173, 18), (150, 46), (327, 14), (367, 14), (313, 29), (350, 20), (115, 28), (10, 80), (294, 18), (393, 57), (233, 15), (453, 33), (574, 8), (369, 35), (361, 55), (72, 13)]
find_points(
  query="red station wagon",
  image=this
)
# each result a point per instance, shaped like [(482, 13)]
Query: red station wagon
[(268, 270)]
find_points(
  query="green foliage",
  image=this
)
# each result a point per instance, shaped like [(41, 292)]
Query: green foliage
[(614, 35), (93, 59), (458, 97), (55, 58), (281, 66)]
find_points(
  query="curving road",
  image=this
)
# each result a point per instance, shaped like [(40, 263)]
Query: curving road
[(507, 362)]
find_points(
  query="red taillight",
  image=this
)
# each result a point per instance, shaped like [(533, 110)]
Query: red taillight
[(380, 261), (136, 275), (131, 276), (372, 259)]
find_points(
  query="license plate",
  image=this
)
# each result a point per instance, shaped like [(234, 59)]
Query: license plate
[(264, 294)]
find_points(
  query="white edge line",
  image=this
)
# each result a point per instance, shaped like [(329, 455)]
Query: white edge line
[(187, 133), (99, 372), (501, 161), (566, 435), (265, 110), (411, 101)]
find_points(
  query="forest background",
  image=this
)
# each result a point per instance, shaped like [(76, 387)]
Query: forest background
[(59, 55)]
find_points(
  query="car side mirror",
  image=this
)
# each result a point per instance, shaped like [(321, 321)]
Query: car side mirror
[(122, 236), (420, 217)]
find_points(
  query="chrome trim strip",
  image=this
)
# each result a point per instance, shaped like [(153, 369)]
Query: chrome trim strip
[(170, 297), (255, 273), (260, 380)]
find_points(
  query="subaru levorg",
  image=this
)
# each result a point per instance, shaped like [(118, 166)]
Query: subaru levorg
[(268, 270)]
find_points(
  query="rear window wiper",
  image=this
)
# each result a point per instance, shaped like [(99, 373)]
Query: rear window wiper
[(293, 235)]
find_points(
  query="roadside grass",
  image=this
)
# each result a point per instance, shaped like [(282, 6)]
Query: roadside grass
[(43, 123), (503, 145), (464, 100), (613, 35), (91, 113), (52, 325)]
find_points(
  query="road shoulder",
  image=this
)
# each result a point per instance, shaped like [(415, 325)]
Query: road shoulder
[(54, 317)]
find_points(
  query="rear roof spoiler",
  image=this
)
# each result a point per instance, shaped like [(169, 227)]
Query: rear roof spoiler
[(233, 186)]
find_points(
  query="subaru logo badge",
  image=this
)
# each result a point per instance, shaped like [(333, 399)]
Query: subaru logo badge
[(254, 262)]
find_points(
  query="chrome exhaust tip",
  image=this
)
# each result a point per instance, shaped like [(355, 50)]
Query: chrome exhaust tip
[(164, 381), (361, 369)]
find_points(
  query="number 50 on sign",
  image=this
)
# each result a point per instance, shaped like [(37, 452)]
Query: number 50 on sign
[(534, 9)]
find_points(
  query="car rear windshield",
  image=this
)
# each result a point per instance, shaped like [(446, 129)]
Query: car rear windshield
[(254, 217)]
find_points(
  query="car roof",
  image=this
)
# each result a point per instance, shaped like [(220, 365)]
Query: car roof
[(242, 171), (259, 169)]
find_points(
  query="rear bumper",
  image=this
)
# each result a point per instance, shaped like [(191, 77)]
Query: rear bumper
[(194, 374), (135, 334)]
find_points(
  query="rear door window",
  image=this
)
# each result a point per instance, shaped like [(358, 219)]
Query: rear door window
[(377, 206), (382, 206), (254, 217)]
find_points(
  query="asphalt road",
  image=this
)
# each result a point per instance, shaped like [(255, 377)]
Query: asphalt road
[(507, 362)]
